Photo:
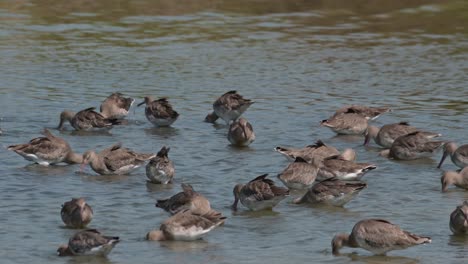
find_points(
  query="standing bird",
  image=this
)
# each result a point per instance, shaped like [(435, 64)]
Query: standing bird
[(459, 219), (241, 133), (160, 169), (159, 112), (317, 151), (386, 135), (115, 160), (89, 242), (332, 191), (458, 155), (187, 199), (186, 226), (459, 179), (76, 213), (300, 174), (346, 124), (87, 120), (377, 236), (336, 166), (116, 106), (47, 150), (412, 146), (258, 194), (370, 113), (229, 106)]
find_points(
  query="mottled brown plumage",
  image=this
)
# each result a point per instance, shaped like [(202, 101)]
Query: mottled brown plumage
[(370, 113), (187, 199), (336, 166), (387, 134), (229, 106), (459, 219), (299, 174), (160, 169), (412, 146), (459, 179), (241, 133), (317, 151), (86, 119), (116, 106), (88, 242), (76, 213), (47, 150), (459, 155), (332, 191), (159, 112), (346, 124)]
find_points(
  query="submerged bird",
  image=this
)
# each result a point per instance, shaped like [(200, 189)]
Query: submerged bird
[(346, 124), (229, 106), (336, 166), (187, 199), (386, 135), (317, 151), (370, 113), (459, 179), (241, 133), (115, 160), (332, 191), (459, 219), (160, 169), (459, 155), (258, 194), (412, 146), (116, 106), (47, 150), (377, 236), (186, 226), (76, 213), (300, 174), (89, 242), (86, 119), (159, 112)]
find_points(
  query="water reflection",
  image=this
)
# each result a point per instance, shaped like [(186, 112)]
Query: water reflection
[(184, 246), (156, 188), (381, 259), (162, 132), (88, 260)]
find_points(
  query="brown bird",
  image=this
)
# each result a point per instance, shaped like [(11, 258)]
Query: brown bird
[(318, 151), (159, 112), (336, 166), (459, 219), (47, 150), (332, 191), (258, 194), (160, 169), (300, 174), (187, 199), (241, 133), (386, 135), (86, 119), (115, 160), (116, 106), (459, 155), (76, 213), (346, 124), (459, 179), (187, 226), (88, 242), (377, 236), (229, 106), (370, 113), (412, 146)]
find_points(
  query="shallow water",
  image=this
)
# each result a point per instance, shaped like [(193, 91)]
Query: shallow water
[(298, 61)]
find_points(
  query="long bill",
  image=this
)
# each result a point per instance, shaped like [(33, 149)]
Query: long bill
[(442, 159)]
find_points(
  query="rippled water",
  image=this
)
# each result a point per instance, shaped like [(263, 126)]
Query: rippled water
[(298, 61)]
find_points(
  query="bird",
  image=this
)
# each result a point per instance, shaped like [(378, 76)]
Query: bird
[(259, 194), (319, 150), (87, 120), (346, 124), (241, 133), (88, 242), (386, 135), (160, 169), (76, 213), (336, 166), (186, 226), (229, 106), (115, 160), (370, 113), (332, 191), (300, 174), (459, 219), (47, 150), (412, 146), (459, 155), (459, 179), (159, 112), (377, 236), (187, 199), (116, 106)]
